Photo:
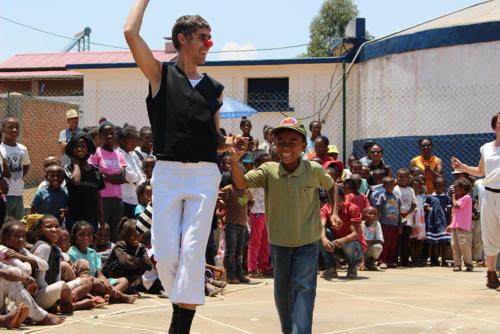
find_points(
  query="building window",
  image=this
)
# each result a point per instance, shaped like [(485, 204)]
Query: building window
[(268, 94)]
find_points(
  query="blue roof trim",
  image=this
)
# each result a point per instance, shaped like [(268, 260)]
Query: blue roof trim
[(433, 38), (319, 60)]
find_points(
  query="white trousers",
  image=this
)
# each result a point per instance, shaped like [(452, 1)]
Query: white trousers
[(490, 222), (184, 196)]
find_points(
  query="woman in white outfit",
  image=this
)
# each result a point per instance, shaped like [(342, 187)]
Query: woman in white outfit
[(489, 167)]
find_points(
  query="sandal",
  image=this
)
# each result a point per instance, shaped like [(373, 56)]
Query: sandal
[(457, 268), (219, 284)]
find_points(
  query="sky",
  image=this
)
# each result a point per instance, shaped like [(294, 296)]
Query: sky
[(236, 24)]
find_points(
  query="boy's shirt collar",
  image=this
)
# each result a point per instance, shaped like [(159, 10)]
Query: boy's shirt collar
[(297, 172)]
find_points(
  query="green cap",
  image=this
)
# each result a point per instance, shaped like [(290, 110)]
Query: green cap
[(292, 124)]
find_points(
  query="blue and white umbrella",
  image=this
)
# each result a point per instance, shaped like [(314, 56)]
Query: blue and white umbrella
[(233, 108)]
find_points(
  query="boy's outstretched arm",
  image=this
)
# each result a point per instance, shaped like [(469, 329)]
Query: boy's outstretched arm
[(235, 154), (143, 56)]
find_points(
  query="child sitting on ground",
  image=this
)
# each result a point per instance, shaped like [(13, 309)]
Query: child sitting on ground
[(52, 200), (417, 222), (374, 237), (103, 245), (150, 279), (81, 236), (238, 202), (461, 221), (129, 258), (408, 204), (53, 293), (388, 211)]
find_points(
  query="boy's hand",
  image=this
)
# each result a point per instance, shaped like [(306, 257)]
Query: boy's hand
[(327, 244), (239, 148)]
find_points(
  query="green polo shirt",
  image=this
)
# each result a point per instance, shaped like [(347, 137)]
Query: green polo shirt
[(292, 201)]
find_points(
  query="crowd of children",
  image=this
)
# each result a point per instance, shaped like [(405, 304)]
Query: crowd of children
[(87, 242)]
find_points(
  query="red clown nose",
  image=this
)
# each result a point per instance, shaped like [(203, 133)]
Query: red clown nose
[(209, 44)]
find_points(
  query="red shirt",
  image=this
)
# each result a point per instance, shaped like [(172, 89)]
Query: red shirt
[(360, 200), (349, 213), (323, 161)]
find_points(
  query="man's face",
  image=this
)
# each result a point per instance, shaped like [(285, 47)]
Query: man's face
[(73, 123), (194, 46)]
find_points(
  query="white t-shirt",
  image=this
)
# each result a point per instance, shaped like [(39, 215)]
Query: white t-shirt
[(407, 198), (133, 176), (17, 157), (259, 203), (372, 232), (491, 158)]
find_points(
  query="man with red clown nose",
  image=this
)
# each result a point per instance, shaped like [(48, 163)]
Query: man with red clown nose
[(183, 108)]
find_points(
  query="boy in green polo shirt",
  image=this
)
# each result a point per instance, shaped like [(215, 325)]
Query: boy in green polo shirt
[(293, 221)]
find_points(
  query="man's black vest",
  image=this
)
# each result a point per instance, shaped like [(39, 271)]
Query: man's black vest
[(182, 117)]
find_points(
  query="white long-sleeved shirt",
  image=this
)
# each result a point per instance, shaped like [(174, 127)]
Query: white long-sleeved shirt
[(133, 176)]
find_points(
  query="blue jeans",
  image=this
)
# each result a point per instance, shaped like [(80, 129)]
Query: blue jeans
[(351, 251), (235, 241), (295, 276)]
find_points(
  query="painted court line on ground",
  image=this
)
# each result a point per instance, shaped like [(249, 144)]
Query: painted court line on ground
[(382, 324), (223, 324)]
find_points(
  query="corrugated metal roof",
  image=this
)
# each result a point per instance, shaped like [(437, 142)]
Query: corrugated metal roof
[(39, 75), (59, 60)]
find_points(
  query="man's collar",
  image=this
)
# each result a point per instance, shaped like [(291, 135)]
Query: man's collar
[(297, 172)]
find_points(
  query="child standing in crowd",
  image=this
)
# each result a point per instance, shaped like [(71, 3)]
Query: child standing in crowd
[(52, 200), (438, 206), (354, 196), (417, 220), (129, 257), (128, 138), (50, 161), (461, 221), (112, 165), (148, 164), (293, 221), (144, 195), (267, 143), (84, 182), (246, 128), (145, 148), (350, 159), (19, 164), (388, 210), (374, 237), (238, 202), (356, 168), (377, 186), (315, 129), (81, 236), (408, 205), (258, 248)]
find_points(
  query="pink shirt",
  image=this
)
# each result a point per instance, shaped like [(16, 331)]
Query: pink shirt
[(109, 163), (462, 215)]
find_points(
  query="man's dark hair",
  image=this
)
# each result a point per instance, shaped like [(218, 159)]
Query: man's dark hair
[(187, 25)]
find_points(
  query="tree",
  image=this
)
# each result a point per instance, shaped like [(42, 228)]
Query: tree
[(329, 26)]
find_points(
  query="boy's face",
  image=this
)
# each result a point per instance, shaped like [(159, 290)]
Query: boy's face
[(11, 129), (147, 195), (417, 188), (246, 127), (194, 46), (365, 172), (440, 186), (356, 169), (54, 176), (334, 155), (147, 167), (333, 173), (80, 150), (389, 186), (370, 214), (320, 148), (289, 146), (377, 177), (102, 236), (403, 178), (269, 135), (350, 160), (348, 189), (146, 140)]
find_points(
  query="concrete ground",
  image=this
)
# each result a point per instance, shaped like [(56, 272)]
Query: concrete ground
[(405, 300)]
